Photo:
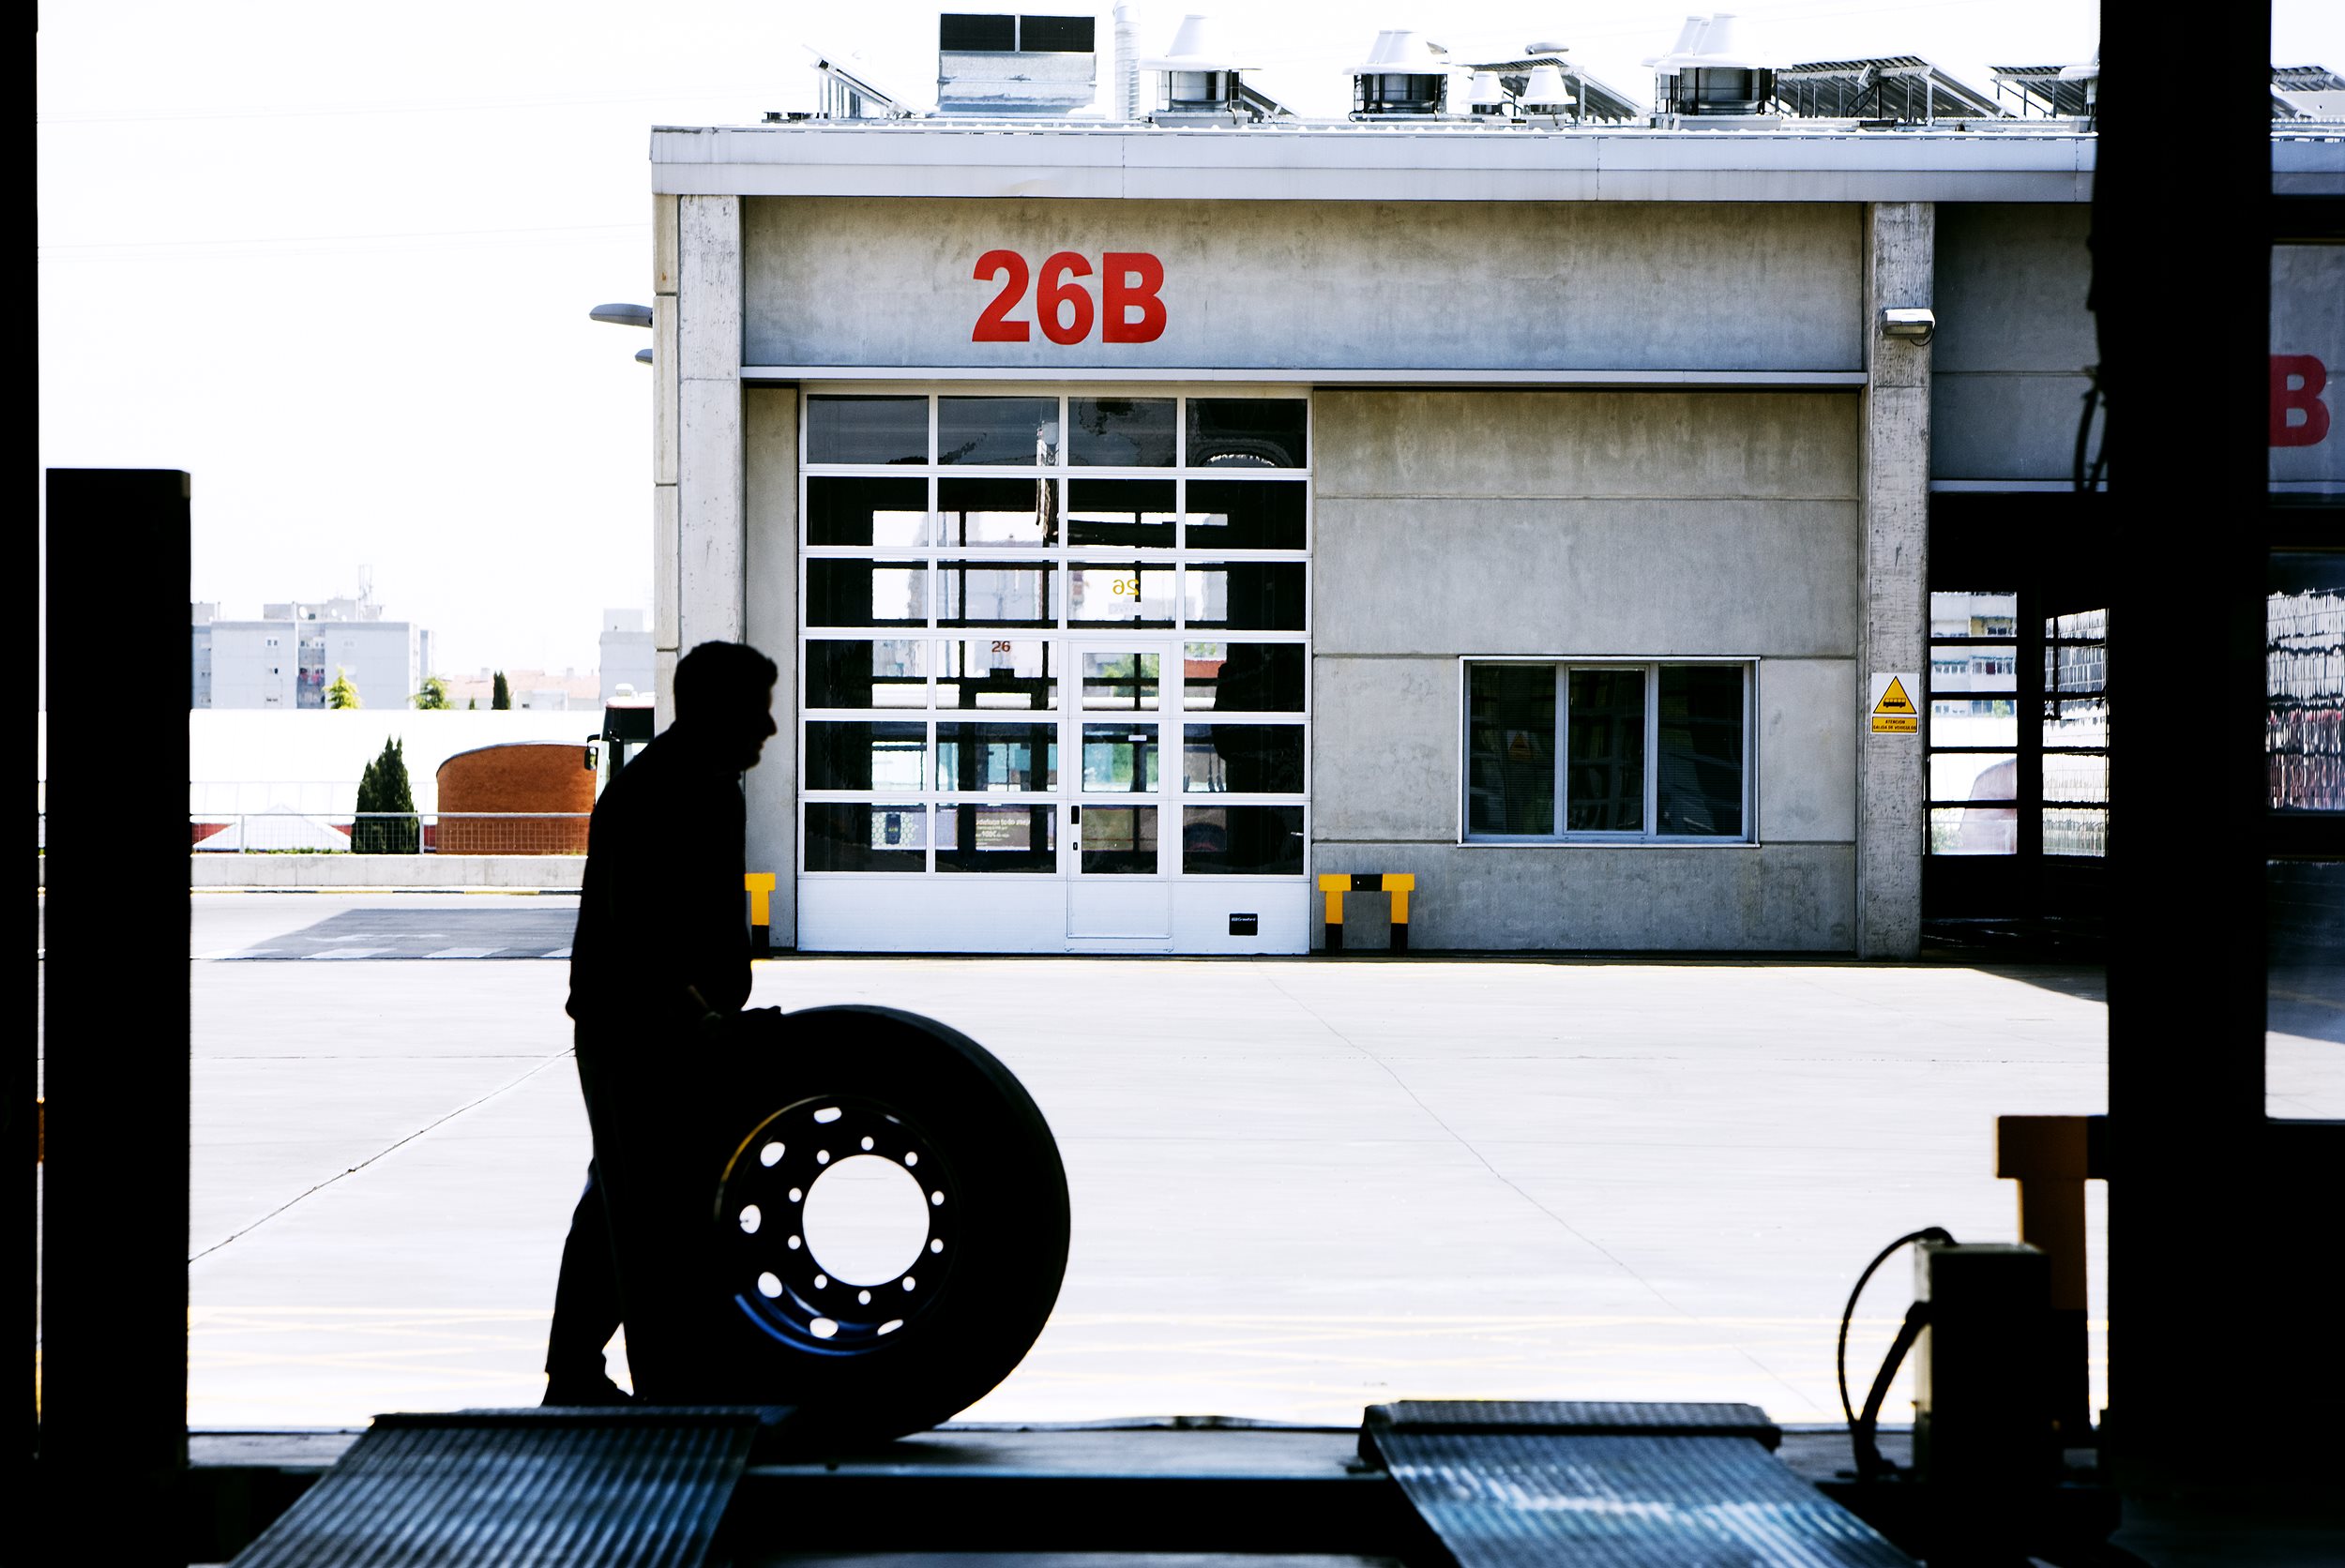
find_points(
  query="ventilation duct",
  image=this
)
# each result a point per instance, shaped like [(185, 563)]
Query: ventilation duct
[(995, 64), (1545, 93), (1713, 72), (1126, 65), (1403, 77), (1200, 79)]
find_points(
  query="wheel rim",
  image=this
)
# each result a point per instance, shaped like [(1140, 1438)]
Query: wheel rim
[(770, 1269)]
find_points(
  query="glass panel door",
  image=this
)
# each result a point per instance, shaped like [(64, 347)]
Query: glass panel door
[(1118, 883)]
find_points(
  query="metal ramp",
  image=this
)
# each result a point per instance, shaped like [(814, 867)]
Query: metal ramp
[(1507, 1485), (1441, 1485), (560, 1489)]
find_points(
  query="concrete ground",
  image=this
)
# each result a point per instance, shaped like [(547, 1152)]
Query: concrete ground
[(1300, 1185)]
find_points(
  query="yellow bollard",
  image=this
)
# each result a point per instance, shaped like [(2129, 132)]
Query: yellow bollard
[(761, 888), (1398, 884)]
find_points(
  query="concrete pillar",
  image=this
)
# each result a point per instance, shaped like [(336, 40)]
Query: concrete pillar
[(663, 458), (769, 417), (698, 588), (1893, 558)]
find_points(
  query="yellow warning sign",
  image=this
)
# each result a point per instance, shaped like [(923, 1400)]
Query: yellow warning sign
[(1893, 710)]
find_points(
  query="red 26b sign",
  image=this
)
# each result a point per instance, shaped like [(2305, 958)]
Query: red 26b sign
[(1127, 312)]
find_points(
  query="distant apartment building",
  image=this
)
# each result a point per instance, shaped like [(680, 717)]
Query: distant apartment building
[(288, 656), (628, 657), (201, 615)]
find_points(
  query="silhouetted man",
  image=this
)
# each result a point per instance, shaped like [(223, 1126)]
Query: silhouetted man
[(659, 964)]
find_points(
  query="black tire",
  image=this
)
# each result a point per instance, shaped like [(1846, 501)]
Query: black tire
[(917, 1349)]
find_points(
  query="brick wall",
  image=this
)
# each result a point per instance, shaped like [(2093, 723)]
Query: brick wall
[(522, 776)]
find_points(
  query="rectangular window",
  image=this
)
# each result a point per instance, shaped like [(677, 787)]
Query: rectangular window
[(859, 511), (1608, 752), (867, 430)]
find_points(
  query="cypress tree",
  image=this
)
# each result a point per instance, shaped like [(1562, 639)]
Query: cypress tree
[(500, 695), (383, 787)]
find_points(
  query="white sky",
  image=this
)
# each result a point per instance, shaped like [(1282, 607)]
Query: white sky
[(337, 263)]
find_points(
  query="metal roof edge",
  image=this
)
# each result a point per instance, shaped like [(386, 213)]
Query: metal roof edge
[(1323, 164), (1154, 164)]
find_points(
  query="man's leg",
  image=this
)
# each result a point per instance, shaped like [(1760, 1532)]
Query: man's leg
[(585, 1309)]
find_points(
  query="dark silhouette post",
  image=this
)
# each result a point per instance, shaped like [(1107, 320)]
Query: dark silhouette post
[(2208, 1259), (112, 1368)]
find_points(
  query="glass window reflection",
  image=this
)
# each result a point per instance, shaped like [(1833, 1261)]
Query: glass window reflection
[(1010, 431), (1137, 514), (1243, 677), (989, 759), (998, 672), (890, 673), (1606, 739), (867, 430), (850, 836), (1121, 433), (997, 837), (859, 756), (1241, 759), (1248, 433), (1511, 749), (1242, 840), (997, 511), (1245, 514), (1120, 758), (875, 512), (1254, 595), (1119, 840), (1116, 680), (985, 593), (864, 593), (1131, 596)]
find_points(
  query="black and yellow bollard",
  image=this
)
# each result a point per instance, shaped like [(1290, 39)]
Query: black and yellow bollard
[(1399, 885), (760, 886)]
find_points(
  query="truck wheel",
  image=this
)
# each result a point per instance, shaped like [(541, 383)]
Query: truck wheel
[(931, 1321)]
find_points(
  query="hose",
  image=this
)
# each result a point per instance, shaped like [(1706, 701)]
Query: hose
[(1868, 1454)]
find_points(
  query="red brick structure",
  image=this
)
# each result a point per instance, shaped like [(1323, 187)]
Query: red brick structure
[(527, 775)]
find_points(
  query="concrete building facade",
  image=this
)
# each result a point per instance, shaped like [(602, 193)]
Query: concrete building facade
[(1150, 521), (289, 656)]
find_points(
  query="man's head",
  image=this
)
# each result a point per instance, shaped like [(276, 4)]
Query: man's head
[(724, 692)]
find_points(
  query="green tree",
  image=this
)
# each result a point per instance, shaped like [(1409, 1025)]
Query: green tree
[(471, 704), (384, 788), (434, 697), (500, 695), (341, 694)]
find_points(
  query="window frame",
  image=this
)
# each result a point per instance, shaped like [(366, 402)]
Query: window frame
[(1649, 835), (1185, 556)]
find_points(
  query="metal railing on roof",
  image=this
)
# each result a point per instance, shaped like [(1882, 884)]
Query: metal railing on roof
[(499, 832)]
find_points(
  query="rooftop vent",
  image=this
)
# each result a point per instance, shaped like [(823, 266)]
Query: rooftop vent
[(1499, 88), (1404, 77), (1199, 78), (991, 65), (1713, 72), (1545, 92)]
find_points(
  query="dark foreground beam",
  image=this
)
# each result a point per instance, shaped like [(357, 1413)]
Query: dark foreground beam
[(2208, 1262), (113, 1363)]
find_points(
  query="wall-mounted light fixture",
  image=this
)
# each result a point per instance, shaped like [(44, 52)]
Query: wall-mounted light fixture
[(1910, 324)]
